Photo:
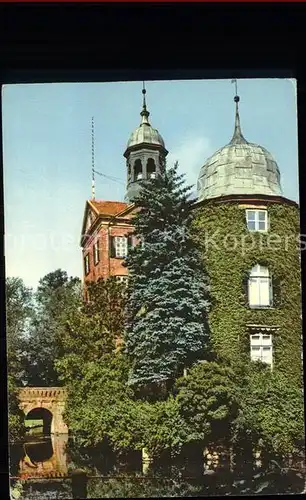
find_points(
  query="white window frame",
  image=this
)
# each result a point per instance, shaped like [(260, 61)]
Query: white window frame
[(96, 252), (122, 279), (256, 220), (260, 285), (121, 246), (86, 264), (261, 342)]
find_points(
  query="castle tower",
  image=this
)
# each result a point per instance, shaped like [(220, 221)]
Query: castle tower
[(145, 154), (250, 234), (108, 224)]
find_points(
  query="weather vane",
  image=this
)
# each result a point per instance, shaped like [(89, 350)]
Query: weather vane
[(235, 82)]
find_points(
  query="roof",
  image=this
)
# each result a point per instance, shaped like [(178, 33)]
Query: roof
[(145, 134), (240, 167), (109, 207)]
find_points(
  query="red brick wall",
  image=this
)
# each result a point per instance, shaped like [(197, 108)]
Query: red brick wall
[(107, 266)]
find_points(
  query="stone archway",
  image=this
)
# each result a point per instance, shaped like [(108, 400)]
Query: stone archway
[(41, 414), (51, 399)]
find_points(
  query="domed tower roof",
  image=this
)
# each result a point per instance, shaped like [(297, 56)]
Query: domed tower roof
[(240, 167), (145, 133), (145, 154)]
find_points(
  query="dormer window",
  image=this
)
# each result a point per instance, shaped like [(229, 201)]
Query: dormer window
[(257, 220)]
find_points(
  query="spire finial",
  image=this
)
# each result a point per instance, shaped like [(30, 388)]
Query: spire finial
[(237, 137), (92, 158), (144, 113), (144, 94)]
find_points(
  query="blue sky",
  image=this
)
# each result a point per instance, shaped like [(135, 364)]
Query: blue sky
[(47, 151)]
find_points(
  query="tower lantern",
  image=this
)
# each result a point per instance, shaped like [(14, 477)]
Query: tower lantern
[(145, 153)]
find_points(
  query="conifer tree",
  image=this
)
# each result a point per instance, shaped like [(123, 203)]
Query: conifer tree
[(167, 296)]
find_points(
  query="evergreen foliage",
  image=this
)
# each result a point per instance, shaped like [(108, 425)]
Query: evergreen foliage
[(166, 327)]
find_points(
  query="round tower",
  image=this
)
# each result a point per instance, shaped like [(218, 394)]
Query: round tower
[(250, 236), (145, 154)]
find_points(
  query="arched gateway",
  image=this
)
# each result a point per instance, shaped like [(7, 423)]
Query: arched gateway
[(48, 398)]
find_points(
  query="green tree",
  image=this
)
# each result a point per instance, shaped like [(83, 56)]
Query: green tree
[(57, 296), (207, 400), (91, 331), (271, 411), (100, 407), (16, 425), (166, 325), (165, 429), (19, 310)]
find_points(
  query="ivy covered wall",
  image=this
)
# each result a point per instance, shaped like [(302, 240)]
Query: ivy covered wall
[(230, 251)]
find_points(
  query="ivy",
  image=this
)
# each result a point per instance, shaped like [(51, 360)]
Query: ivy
[(230, 251)]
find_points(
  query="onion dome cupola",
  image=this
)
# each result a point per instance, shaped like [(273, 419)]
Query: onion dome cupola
[(239, 168), (145, 154)]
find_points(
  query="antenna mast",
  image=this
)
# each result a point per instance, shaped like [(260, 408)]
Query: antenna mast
[(92, 158)]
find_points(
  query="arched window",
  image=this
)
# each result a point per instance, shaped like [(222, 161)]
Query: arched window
[(138, 170), (260, 287), (151, 169)]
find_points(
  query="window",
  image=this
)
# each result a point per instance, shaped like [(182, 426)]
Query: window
[(261, 348), (257, 220), (121, 246), (151, 170), (137, 170), (260, 287), (86, 264), (96, 252), (122, 279)]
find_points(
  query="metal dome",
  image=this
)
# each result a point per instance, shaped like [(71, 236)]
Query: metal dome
[(145, 134), (240, 167)]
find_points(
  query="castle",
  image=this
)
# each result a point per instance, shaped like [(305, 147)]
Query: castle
[(253, 261)]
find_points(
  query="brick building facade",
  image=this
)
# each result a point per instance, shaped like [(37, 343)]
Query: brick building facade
[(106, 237)]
